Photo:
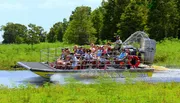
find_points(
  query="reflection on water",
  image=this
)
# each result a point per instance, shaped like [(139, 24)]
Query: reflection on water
[(15, 78)]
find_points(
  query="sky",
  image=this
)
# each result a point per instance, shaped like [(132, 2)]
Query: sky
[(43, 13)]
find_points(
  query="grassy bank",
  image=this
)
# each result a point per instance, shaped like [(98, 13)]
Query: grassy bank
[(94, 93), (167, 53)]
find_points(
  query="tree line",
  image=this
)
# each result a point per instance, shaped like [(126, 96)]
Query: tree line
[(159, 18)]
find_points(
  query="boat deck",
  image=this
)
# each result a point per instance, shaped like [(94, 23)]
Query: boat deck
[(35, 66)]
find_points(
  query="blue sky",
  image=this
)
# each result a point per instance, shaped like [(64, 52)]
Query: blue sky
[(40, 12)]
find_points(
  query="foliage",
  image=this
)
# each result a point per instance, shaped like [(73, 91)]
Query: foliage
[(93, 93), (14, 33), (159, 18), (97, 19), (36, 34), (162, 19), (133, 19), (52, 35), (80, 29), (112, 10), (57, 31), (18, 33), (178, 7)]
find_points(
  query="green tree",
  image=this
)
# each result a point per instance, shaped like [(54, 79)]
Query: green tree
[(57, 31), (134, 18), (163, 17), (112, 11), (97, 20), (80, 29), (178, 7), (54, 32), (64, 28), (14, 33), (36, 34), (61, 29), (42, 34)]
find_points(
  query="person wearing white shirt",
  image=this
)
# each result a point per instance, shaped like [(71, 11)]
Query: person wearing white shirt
[(118, 43)]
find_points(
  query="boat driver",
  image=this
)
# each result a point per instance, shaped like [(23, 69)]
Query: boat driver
[(117, 43)]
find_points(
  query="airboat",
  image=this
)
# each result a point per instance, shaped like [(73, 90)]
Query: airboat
[(140, 50)]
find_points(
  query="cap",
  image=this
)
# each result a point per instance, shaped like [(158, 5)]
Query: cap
[(66, 48), (88, 50), (117, 36)]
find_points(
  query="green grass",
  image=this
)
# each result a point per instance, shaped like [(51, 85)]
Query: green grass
[(12, 53), (167, 53), (93, 93)]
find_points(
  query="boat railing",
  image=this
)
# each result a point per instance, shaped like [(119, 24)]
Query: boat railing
[(49, 54), (96, 64)]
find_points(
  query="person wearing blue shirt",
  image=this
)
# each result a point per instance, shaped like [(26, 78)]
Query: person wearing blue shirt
[(99, 53), (122, 56)]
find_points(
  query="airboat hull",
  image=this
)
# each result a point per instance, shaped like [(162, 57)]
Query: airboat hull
[(95, 74), (45, 71)]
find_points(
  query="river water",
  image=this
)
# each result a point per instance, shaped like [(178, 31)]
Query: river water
[(16, 78)]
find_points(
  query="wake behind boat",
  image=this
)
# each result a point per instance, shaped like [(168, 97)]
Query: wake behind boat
[(131, 58)]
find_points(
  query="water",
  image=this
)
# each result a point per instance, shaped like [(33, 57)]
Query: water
[(16, 78)]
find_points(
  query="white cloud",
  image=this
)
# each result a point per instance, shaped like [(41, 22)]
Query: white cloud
[(12, 6)]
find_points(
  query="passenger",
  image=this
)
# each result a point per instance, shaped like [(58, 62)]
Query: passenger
[(99, 53), (60, 60), (88, 55), (84, 51), (74, 61), (62, 56), (59, 64), (104, 62), (87, 58), (105, 49), (67, 51), (109, 48), (67, 62), (62, 64), (75, 49), (80, 51), (103, 59), (93, 48), (123, 55)]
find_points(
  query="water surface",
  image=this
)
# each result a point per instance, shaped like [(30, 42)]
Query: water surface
[(15, 78)]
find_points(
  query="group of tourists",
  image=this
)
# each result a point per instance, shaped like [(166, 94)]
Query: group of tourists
[(97, 56)]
